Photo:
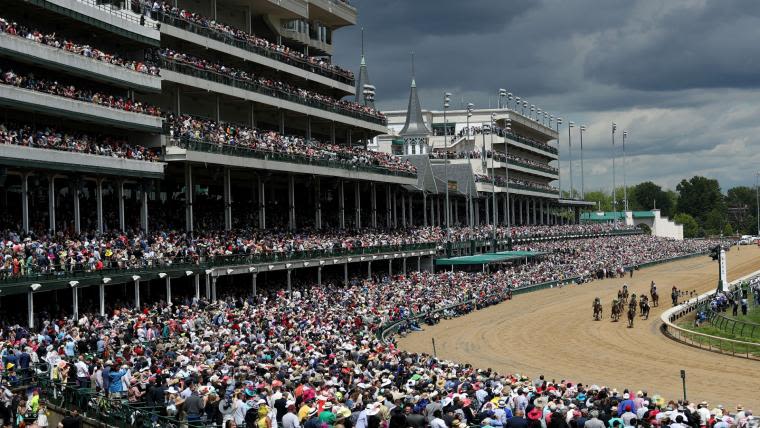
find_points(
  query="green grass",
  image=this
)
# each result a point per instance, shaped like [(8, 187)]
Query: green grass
[(738, 348)]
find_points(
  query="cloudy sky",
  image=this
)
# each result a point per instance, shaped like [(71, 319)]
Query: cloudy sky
[(681, 76)]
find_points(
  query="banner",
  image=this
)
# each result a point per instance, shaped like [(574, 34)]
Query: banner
[(723, 269)]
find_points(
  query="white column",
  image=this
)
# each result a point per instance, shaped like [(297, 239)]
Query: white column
[(358, 205), (403, 265), (51, 203), (317, 203), (345, 274), (25, 201), (291, 202), (197, 283), (262, 205), (213, 288), (99, 203), (319, 276), (102, 296), (390, 267), (144, 209), (30, 308), (189, 197), (208, 287), (369, 269), (341, 205), (120, 197), (137, 293), (74, 186), (253, 283), (227, 199), (75, 302), (488, 209), (168, 289), (290, 284)]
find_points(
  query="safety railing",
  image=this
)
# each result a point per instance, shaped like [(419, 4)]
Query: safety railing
[(268, 155), (701, 340), (253, 86), (466, 306), (228, 39), (64, 272), (732, 326)]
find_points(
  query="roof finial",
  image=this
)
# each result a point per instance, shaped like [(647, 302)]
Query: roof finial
[(412, 53), (362, 41)]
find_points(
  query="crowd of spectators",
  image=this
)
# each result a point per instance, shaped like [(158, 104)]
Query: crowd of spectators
[(69, 45), (498, 156), (53, 87), (257, 42), (502, 182), (314, 357), (52, 138), (277, 86), (198, 129)]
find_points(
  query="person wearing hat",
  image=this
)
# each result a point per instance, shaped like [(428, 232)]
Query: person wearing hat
[(326, 416), (290, 419), (312, 419)]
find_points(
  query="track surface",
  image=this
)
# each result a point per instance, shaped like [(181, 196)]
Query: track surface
[(552, 332)]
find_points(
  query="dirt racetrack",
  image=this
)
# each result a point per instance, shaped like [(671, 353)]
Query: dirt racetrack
[(552, 332)]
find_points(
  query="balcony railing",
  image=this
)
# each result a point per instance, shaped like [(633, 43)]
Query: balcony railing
[(178, 67), (548, 169), (540, 146), (79, 271), (225, 149), (533, 189), (228, 39)]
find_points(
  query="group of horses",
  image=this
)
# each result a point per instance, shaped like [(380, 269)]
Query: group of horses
[(623, 299)]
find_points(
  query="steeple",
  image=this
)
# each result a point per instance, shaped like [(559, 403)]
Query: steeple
[(365, 92), (415, 124)]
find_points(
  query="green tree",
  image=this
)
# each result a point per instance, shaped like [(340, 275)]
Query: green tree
[(701, 198), (690, 226), (649, 195), (728, 230), (602, 199), (744, 199)]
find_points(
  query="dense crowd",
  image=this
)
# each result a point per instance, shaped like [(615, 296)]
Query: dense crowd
[(254, 41), (314, 358), (184, 126), (53, 138), (277, 86), (52, 39), (53, 87), (502, 182), (498, 156)]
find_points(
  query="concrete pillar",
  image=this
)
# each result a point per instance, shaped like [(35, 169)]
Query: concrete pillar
[(291, 202), (403, 265), (51, 203), (390, 267), (74, 187), (208, 287), (341, 205), (75, 303), (30, 308), (290, 282), (419, 263), (317, 203), (358, 205), (373, 188), (227, 199), (488, 206), (395, 210), (403, 211), (213, 288), (168, 289), (505, 203), (25, 201), (262, 205), (319, 276), (99, 203), (388, 215), (102, 299), (197, 283), (120, 197), (439, 218), (477, 212), (144, 208), (512, 202), (424, 210), (254, 277), (345, 274), (369, 269), (137, 293), (190, 196), (411, 212)]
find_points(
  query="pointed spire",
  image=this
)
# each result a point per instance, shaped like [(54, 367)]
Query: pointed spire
[(363, 81), (415, 124)]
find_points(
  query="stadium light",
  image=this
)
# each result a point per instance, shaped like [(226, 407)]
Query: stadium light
[(582, 129), (625, 189), (559, 157), (614, 191), (502, 94), (570, 126)]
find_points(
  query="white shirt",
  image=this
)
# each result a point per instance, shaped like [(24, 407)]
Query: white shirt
[(82, 369), (437, 423)]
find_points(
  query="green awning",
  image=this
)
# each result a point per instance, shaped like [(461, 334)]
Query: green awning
[(485, 258), (643, 214), (397, 142), (602, 216)]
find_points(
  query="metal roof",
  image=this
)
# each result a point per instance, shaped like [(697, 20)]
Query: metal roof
[(363, 80), (485, 258), (415, 124)]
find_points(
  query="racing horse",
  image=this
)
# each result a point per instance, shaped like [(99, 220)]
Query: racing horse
[(597, 309), (644, 307), (633, 302), (631, 315), (617, 310), (655, 296), (674, 293)]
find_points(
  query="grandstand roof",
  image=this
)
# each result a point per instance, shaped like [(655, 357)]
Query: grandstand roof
[(485, 258)]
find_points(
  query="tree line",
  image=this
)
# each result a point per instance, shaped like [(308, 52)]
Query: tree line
[(698, 204)]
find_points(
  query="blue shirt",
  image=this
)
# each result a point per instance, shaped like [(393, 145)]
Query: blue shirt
[(114, 380)]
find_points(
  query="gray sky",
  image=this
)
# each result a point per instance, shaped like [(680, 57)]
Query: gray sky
[(681, 76)]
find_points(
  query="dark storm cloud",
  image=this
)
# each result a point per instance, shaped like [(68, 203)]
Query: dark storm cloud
[(682, 76)]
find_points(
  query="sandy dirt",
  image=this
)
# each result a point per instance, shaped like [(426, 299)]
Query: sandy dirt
[(552, 332)]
